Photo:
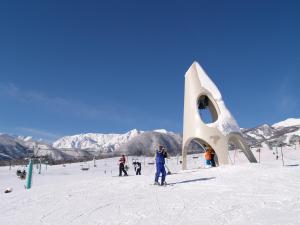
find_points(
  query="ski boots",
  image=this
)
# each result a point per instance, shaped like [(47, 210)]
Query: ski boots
[(164, 183)]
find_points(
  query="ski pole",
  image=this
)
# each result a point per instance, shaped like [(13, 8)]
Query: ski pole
[(282, 156)]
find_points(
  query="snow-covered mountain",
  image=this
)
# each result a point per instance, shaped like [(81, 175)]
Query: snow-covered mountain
[(12, 148), (287, 123), (134, 142), (260, 133), (285, 131), (130, 142), (146, 142), (25, 138), (96, 141), (142, 142), (19, 147)]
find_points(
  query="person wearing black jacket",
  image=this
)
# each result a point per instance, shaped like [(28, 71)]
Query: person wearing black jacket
[(137, 168)]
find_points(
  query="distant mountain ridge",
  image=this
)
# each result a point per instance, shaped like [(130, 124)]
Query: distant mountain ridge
[(264, 134), (133, 142), (112, 142), (95, 140), (287, 123), (11, 148), (106, 142), (19, 147)]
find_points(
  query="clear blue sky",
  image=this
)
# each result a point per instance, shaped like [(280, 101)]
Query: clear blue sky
[(69, 67)]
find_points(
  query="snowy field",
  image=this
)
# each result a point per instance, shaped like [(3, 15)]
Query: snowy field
[(242, 193)]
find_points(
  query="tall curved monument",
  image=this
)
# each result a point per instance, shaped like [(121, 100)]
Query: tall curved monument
[(202, 95)]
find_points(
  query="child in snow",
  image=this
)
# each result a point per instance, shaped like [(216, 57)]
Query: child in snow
[(137, 168), (160, 155), (212, 153), (207, 156), (122, 161), (134, 166)]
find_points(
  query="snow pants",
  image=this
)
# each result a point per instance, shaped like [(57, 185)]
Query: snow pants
[(213, 163), (208, 162), (160, 169)]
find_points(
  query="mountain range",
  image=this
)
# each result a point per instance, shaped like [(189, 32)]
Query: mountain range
[(285, 132), (134, 142)]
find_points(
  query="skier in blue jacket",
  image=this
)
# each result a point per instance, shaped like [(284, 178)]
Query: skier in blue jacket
[(160, 155)]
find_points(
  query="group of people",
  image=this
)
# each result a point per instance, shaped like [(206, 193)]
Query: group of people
[(160, 159), (160, 156), (209, 156), (123, 168)]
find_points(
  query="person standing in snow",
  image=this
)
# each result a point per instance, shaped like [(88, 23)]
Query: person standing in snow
[(207, 156), (138, 168), (134, 166), (122, 161), (212, 153), (160, 155)]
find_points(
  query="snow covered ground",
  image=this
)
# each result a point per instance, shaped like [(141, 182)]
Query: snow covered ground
[(243, 193)]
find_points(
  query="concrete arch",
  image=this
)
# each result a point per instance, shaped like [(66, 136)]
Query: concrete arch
[(238, 140), (201, 143)]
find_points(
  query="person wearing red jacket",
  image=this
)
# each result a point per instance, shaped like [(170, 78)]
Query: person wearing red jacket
[(122, 161)]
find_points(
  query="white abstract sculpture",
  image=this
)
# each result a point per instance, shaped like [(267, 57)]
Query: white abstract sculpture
[(201, 92)]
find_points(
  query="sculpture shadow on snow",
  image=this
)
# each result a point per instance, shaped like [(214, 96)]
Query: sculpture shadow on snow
[(193, 180), (292, 165)]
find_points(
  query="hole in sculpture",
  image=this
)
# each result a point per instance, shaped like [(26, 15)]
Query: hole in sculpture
[(207, 110)]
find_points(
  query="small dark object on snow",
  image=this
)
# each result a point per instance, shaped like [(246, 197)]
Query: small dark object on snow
[(8, 190), (85, 167)]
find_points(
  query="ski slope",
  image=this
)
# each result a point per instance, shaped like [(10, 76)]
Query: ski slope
[(243, 193)]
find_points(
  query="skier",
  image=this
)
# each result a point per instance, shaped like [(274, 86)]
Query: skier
[(137, 168), (160, 155), (122, 161)]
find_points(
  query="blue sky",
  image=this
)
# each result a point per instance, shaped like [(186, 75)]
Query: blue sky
[(70, 67)]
